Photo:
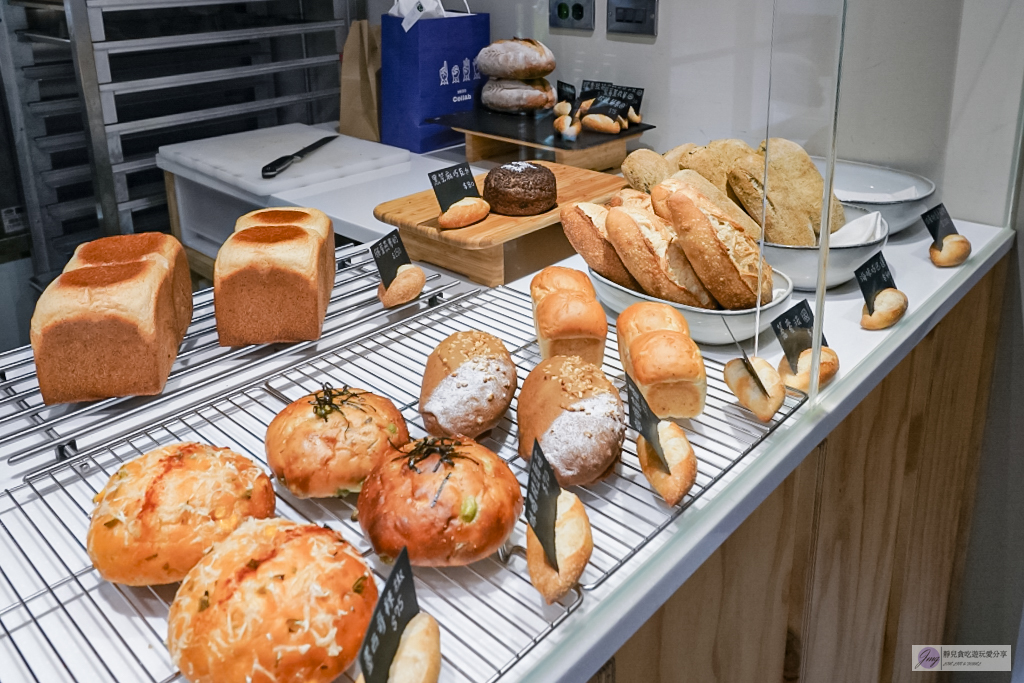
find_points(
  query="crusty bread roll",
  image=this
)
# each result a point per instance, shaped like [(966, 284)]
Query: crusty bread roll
[(682, 462), (143, 246), (449, 501), (676, 153), (567, 127), (563, 109), (743, 386), (570, 323), (570, 407), (669, 370), (801, 379), (649, 250), (275, 600), (305, 217), (325, 444), (105, 331), (890, 305), (633, 116), (515, 58), (623, 122), (599, 123), (159, 513), (955, 250), (703, 194), (643, 317), (556, 278), (714, 160), (634, 199), (271, 284), (466, 211), (407, 285), (573, 546), (584, 227), (721, 253), (418, 658), (644, 169), (513, 96), (468, 384), (584, 108)]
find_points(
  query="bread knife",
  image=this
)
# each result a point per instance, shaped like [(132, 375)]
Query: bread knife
[(275, 167)]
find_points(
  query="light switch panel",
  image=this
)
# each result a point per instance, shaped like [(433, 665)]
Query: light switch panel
[(633, 16), (577, 14)]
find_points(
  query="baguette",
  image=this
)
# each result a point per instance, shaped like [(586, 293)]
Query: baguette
[(681, 460), (466, 211), (573, 545), (634, 199), (654, 257), (601, 124), (955, 250), (406, 286), (704, 195), (890, 305), (584, 227), (742, 385), (644, 169)]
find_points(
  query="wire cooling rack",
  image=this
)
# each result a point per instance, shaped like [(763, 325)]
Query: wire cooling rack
[(60, 621), (28, 427)]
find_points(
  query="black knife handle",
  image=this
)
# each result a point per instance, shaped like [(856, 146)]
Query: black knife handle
[(277, 166)]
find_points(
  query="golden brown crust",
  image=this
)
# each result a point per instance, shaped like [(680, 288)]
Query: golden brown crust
[(559, 278), (668, 368), (570, 323), (274, 601), (584, 226), (567, 127), (682, 462), (649, 250), (722, 254), (574, 544), (747, 392), (306, 217), (407, 285), (449, 501), (159, 513), (516, 58), (633, 116), (575, 412), (955, 250), (645, 168), (599, 123), (890, 305), (466, 211), (641, 317), (675, 154), (634, 199), (319, 447), (801, 380), (714, 160), (563, 108), (704, 195), (418, 658), (468, 384)]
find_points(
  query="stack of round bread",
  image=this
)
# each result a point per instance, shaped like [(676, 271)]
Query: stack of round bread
[(567, 316), (516, 68)]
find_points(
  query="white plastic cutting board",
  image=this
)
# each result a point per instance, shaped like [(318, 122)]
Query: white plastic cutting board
[(236, 160)]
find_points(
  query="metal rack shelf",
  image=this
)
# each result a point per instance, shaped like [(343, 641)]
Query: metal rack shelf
[(52, 601)]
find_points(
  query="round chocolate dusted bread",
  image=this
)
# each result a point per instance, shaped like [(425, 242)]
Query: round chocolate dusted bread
[(520, 188)]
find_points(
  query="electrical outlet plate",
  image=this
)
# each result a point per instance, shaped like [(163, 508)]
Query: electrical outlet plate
[(578, 14), (633, 16)]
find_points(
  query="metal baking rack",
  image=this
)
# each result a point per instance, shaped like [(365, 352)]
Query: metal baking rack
[(29, 428), (59, 620)]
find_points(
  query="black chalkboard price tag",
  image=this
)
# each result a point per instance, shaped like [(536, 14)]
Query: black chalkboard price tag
[(395, 608), (642, 419), (794, 329), (389, 254), (583, 97), (873, 277), (633, 97), (542, 491), (600, 86), (452, 184), (566, 92), (609, 106), (939, 224)]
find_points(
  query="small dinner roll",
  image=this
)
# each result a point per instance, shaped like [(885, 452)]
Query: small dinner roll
[(466, 211), (890, 305), (801, 380), (601, 124), (633, 116), (563, 108), (406, 286), (418, 659), (955, 250), (584, 108), (682, 462), (568, 128), (747, 392), (573, 546)]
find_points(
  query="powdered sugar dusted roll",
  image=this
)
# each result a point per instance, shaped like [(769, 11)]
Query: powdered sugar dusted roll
[(575, 412), (468, 385)]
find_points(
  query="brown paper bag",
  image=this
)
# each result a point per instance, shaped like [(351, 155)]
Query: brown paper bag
[(360, 82)]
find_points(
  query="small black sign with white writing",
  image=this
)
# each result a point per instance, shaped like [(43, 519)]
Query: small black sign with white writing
[(395, 608), (389, 254), (873, 277), (609, 106), (566, 92), (633, 97), (939, 224), (794, 329), (596, 85), (452, 184), (542, 491), (583, 97), (642, 419)]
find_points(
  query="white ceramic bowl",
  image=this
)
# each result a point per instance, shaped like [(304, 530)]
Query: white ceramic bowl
[(706, 326), (899, 196), (802, 262)]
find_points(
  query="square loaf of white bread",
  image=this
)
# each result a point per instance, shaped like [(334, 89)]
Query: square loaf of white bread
[(273, 277), (104, 331)]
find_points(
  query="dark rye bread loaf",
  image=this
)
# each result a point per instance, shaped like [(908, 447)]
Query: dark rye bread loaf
[(520, 188)]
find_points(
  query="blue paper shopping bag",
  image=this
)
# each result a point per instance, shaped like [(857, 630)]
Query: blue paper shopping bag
[(427, 72)]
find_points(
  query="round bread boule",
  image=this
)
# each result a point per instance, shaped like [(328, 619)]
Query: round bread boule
[(468, 384), (326, 443), (520, 188), (450, 501), (275, 601), (160, 512), (516, 58)]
